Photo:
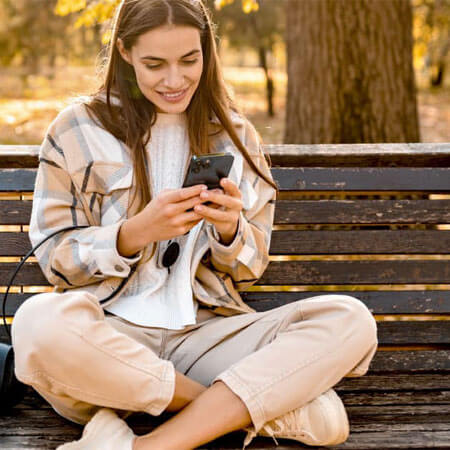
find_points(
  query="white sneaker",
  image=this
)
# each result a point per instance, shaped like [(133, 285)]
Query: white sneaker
[(105, 431), (322, 421)]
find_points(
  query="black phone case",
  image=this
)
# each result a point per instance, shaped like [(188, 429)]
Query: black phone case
[(208, 169)]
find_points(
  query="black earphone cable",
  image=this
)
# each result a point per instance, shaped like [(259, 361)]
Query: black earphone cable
[(30, 253), (21, 264)]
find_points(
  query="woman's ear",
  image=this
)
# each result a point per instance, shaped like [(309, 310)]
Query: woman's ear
[(123, 52)]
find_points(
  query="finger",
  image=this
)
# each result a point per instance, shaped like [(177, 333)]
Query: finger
[(214, 191), (188, 217), (186, 205), (230, 188), (222, 200), (213, 214), (179, 195)]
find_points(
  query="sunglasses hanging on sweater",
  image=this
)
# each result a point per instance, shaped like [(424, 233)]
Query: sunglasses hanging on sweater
[(170, 255)]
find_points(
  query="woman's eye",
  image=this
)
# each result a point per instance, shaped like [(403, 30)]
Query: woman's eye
[(156, 66)]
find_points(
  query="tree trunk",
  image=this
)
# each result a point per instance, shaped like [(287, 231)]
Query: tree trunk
[(350, 72), (262, 50), (269, 80)]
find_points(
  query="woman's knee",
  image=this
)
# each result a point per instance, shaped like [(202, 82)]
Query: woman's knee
[(39, 330), (347, 318), (360, 321)]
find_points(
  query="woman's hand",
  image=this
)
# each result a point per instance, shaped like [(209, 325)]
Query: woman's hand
[(224, 215), (167, 215)]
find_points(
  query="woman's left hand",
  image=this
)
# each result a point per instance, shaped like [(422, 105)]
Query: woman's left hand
[(225, 218)]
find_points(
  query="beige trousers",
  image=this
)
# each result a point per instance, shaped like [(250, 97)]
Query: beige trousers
[(78, 359)]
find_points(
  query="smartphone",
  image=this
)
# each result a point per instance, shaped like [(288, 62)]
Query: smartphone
[(208, 169)]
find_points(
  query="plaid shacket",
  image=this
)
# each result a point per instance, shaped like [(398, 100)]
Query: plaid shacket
[(85, 177)]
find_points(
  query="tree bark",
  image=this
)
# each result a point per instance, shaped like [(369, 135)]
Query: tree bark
[(350, 72)]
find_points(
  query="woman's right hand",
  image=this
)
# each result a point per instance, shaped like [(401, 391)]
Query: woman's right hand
[(166, 215)]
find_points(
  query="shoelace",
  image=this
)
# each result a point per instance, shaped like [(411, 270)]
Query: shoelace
[(289, 420)]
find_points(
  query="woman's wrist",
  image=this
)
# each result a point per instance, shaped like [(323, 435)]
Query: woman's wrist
[(227, 239), (130, 239)]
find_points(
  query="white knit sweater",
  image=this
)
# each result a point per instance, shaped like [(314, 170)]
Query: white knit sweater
[(157, 298)]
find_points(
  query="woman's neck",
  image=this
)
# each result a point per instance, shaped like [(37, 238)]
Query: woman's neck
[(170, 118)]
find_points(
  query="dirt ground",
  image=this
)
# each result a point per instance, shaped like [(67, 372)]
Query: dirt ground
[(26, 113)]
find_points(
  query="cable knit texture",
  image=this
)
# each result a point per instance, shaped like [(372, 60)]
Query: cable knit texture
[(158, 298)]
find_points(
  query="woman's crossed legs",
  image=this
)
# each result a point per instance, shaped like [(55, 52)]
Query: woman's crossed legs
[(224, 372)]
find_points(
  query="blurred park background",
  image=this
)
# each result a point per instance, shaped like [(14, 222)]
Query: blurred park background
[(303, 71)]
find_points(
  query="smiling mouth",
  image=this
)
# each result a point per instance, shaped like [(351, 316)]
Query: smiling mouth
[(174, 98), (174, 94)]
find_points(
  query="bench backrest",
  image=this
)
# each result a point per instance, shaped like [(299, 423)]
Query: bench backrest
[(371, 221)]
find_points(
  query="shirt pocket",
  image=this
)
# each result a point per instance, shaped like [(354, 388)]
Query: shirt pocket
[(106, 186)]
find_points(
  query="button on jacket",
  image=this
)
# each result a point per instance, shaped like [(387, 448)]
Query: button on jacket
[(85, 177)]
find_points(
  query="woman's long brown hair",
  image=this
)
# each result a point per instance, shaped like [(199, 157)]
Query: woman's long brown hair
[(131, 120)]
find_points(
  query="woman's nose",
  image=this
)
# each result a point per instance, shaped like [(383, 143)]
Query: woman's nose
[(174, 79)]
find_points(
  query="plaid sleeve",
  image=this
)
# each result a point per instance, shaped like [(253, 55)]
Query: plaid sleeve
[(77, 257), (246, 258)]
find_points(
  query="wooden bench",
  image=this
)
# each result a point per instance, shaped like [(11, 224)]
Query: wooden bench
[(363, 220)]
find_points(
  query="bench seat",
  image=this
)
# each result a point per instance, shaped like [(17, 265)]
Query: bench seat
[(371, 221)]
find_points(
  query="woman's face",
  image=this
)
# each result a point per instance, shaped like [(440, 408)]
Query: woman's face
[(168, 59)]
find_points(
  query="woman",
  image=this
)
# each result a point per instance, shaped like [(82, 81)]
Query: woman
[(176, 338)]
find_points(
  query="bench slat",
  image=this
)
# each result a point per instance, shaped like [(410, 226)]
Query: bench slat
[(362, 179), (379, 302), (306, 242), (353, 155), (301, 273), (16, 180), (411, 377), (15, 212), (379, 426), (355, 272), (393, 434), (290, 212), (434, 332), (352, 398), (378, 384), (308, 179), (350, 242), (298, 155)]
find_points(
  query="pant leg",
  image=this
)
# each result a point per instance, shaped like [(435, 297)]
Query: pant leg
[(278, 360), (76, 358)]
